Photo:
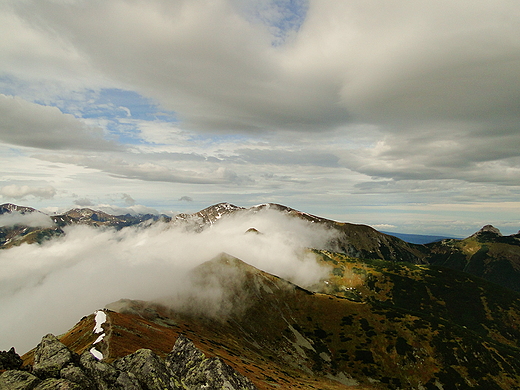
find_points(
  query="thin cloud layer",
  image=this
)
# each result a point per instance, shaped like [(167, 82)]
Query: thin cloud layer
[(48, 288), (148, 171)]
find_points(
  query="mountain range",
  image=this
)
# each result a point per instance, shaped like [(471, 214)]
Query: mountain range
[(486, 254), (388, 314)]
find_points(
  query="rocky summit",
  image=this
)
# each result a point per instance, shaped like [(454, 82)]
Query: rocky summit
[(184, 368)]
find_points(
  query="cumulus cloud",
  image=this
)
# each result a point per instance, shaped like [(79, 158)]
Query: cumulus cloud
[(29, 124), (423, 72), (283, 156), (18, 192), (88, 268), (396, 62), (240, 80)]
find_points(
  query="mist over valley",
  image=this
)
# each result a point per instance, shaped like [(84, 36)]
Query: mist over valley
[(247, 276)]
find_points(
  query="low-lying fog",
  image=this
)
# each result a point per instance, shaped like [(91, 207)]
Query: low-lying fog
[(47, 288)]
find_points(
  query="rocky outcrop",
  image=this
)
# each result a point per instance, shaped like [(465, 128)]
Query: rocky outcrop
[(149, 370), (185, 368), (194, 371), (50, 357), (18, 380), (487, 230), (58, 384)]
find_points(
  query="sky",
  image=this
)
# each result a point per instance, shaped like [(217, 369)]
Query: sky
[(401, 115)]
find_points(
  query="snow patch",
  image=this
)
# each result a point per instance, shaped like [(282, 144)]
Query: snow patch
[(98, 355), (101, 318)]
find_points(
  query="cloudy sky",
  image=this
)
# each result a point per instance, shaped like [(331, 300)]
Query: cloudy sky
[(402, 115)]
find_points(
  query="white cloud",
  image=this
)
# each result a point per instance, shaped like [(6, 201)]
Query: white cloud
[(15, 191), (88, 268), (383, 226), (39, 54), (129, 201), (83, 202)]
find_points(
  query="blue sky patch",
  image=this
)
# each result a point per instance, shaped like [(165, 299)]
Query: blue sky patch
[(283, 17)]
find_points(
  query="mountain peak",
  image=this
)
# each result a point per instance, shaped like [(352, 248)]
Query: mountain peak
[(10, 207), (213, 213), (488, 229)]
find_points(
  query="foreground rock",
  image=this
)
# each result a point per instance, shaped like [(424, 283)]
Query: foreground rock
[(185, 368), (194, 371), (10, 360)]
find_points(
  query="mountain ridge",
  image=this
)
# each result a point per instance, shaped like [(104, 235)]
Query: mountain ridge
[(486, 253)]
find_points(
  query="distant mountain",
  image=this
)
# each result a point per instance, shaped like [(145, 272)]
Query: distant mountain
[(18, 234), (91, 217), (371, 324), (9, 208), (487, 254), (355, 240), (418, 238)]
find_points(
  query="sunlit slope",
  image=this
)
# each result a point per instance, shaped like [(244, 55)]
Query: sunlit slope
[(407, 327)]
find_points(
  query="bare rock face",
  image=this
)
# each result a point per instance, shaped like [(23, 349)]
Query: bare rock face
[(50, 357), (57, 384), (148, 368), (77, 375), (103, 375), (18, 380), (184, 357), (196, 372), (186, 368), (488, 230), (213, 373)]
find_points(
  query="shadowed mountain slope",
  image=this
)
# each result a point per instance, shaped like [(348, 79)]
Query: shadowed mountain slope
[(487, 254)]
